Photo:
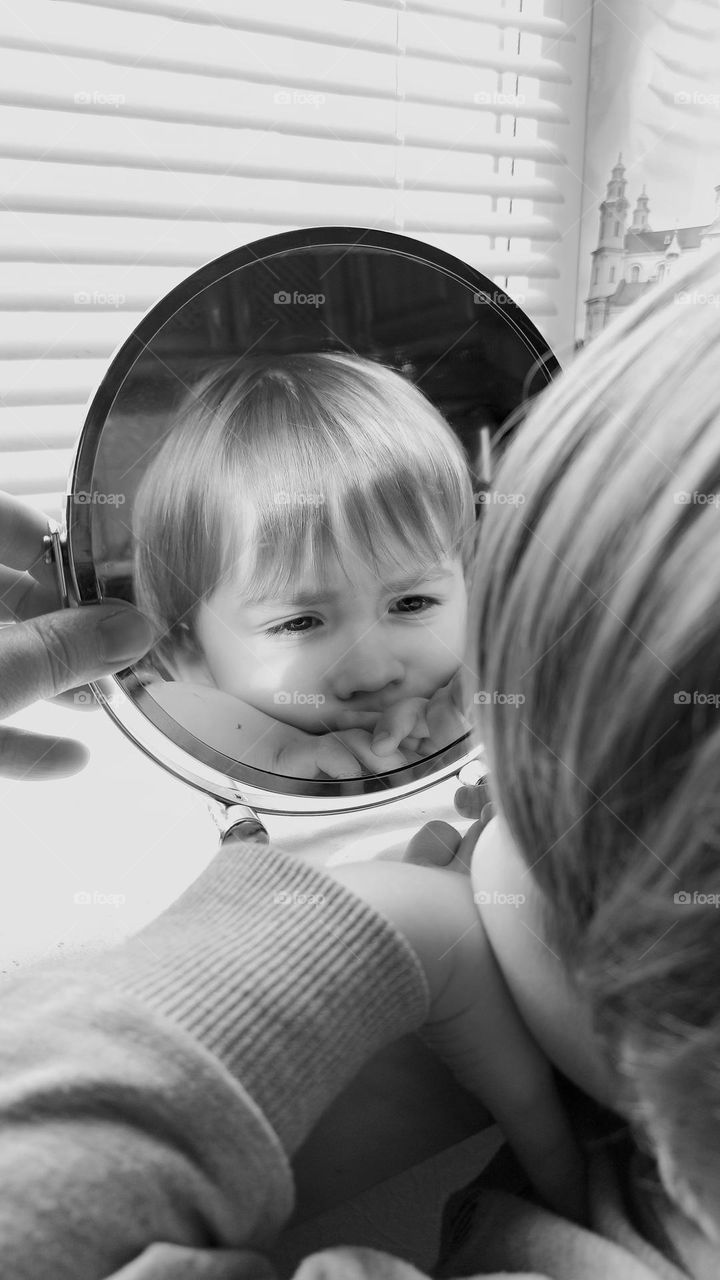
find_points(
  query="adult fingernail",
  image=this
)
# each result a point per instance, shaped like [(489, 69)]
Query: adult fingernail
[(125, 634)]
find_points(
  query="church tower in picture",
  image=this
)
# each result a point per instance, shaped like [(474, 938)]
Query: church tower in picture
[(608, 257), (629, 259)]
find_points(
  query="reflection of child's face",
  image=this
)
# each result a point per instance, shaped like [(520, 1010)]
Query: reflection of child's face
[(361, 644)]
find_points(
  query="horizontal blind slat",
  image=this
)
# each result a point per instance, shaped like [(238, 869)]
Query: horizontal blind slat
[(111, 141), (243, 13), (51, 238), (104, 28), (71, 86), (342, 24), (58, 237), (50, 382), (496, 264), (127, 51), (75, 189), (59, 286), (85, 332), (38, 472), (265, 64), (462, 124), (490, 14), (40, 427)]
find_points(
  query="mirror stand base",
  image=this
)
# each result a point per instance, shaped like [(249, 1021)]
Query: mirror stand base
[(237, 823)]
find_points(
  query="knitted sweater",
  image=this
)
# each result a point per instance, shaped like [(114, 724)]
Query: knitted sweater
[(152, 1097)]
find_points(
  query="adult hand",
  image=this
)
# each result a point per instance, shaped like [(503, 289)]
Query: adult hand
[(47, 649)]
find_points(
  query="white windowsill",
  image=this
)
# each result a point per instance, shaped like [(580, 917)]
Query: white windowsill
[(131, 836)]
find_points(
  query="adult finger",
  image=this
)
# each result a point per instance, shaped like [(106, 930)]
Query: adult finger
[(22, 530), (44, 656), (81, 698), (22, 596), (34, 757)]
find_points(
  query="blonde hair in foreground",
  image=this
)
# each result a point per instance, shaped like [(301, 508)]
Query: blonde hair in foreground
[(598, 599), (277, 464)]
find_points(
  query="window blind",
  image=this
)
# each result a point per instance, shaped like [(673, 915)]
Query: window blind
[(140, 139)]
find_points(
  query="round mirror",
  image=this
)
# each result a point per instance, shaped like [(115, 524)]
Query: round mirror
[(283, 467)]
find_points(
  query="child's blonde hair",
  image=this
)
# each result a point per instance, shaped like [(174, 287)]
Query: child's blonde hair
[(598, 599), (274, 465)]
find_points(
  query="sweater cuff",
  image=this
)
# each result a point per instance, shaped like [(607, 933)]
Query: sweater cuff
[(283, 974)]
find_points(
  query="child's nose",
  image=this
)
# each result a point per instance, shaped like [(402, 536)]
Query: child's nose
[(367, 667)]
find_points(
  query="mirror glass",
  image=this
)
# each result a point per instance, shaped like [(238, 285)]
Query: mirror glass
[(283, 468)]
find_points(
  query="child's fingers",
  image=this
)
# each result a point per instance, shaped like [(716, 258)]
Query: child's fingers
[(404, 720), (22, 597), (445, 724), (434, 845), (324, 757), (439, 844), (361, 744), (356, 719), (464, 852), (470, 801)]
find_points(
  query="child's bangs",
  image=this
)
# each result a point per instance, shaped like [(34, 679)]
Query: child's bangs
[(299, 543), (279, 541), (324, 501), (395, 526)]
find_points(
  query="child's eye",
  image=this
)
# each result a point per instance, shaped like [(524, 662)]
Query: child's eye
[(415, 604), (293, 626)]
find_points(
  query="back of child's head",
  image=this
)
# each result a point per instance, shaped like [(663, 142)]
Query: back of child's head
[(274, 465), (597, 598)]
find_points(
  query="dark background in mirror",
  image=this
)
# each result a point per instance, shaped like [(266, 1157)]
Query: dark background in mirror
[(461, 350)]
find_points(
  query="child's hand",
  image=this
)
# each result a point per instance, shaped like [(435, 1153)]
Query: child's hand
[(360, 743), (348, 754), (423, 725), (244, 733), (473, 1022)]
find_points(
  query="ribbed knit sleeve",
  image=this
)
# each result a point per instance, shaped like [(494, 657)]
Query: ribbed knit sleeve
[(281, 973), (150, 1096)]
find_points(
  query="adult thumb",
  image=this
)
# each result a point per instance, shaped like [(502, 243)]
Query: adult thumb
[(46, 655)]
